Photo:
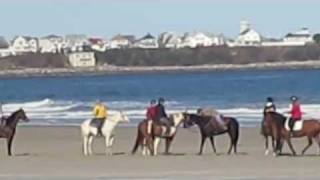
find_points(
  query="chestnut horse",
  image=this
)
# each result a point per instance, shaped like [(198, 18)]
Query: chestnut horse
[(206, 130), (8, 130), (276, 123), (150, 141)]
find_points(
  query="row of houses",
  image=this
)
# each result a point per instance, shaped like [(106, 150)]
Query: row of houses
[(247, 36)]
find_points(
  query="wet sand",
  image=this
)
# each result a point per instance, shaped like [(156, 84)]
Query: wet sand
[(56, 153)]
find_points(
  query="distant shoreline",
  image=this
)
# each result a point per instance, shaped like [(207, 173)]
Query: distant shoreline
[(43, 72)]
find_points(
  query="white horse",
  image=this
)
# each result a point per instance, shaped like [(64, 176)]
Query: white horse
[(89, 132)]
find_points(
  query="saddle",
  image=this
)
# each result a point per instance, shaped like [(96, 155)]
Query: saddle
[(298, 125), (97, 123)]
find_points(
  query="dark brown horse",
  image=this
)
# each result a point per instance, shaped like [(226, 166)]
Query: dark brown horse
[(266, 133), (206, 130), (150, 141), (8, 130), (276, 123)]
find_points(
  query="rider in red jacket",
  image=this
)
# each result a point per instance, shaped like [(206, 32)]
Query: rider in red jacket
[(296, 113), (151, 114)]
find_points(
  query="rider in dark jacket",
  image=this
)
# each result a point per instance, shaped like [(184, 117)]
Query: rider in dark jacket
[(161, 115)]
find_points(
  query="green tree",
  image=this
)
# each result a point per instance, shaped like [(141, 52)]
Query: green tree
[(316, 38)]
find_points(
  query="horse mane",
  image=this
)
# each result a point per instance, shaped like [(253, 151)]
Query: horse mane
[(11, 117), (279, 117)]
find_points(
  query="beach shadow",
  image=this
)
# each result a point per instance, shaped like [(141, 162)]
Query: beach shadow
[(25, 154), (113, 154), (173, 154)]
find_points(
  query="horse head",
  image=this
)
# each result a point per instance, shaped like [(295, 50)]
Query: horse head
[(21, 115), (188, 121), (121, 117)]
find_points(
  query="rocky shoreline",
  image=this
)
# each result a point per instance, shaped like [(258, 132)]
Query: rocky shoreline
[(35, 72)]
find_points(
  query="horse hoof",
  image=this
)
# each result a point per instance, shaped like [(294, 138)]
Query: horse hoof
[(266, 153)]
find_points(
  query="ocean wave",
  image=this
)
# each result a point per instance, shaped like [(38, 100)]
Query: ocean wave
[(59, 112)]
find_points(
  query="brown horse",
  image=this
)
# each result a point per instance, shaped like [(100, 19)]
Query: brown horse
[(9, 129), (266, 133), (150, 141), (276, 123), (206, 130)]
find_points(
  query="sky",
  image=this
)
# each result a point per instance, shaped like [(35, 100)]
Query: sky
[(106, 18)]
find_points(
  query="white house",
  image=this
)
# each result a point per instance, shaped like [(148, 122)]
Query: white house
[(147, 42), (51, 44), (24, 44), (82, 59), (302, 37), (122, 41), (98, 44), (248, 36), (197, 39), (76, 42), (169, 40), (5, 49)]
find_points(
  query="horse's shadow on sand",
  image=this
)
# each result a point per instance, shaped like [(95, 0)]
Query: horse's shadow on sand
[(25, 155), (299, 155), (113, 154)]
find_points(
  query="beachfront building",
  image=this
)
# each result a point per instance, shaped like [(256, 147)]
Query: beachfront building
[(248, 36), (51, 44), (300, 37), (5, 49), (98, 44), (147, 42), (122, 41), (82, 59), (75, 42), (199, 39), (169, 40), (25, 44)]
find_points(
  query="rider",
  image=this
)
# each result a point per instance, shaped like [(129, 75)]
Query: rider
[(269, 106), (151, 114), (296, 113), (100, 115), (161, 115), (217, 117)]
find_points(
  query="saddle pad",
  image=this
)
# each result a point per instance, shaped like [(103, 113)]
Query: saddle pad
[(297, 125)]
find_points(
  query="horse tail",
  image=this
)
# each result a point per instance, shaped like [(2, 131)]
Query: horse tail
[(138, 140), (234, 132)]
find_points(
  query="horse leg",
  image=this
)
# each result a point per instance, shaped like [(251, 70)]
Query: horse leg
[(318, 141), (85, 145), (212, 144), (168, 143), (108, 143), (290, 146), (203, 139), (308, 145), (9, 144), (90, 140), (267, 145), (155, 145)]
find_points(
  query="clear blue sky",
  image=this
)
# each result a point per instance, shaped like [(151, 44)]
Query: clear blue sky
[(107, 18)]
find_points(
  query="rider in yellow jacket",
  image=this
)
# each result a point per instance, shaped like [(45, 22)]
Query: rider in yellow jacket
[(100, 113)]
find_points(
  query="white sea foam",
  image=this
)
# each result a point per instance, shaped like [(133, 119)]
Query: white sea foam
[(51, 112)]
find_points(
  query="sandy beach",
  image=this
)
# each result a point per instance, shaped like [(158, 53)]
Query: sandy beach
[(55, 153)]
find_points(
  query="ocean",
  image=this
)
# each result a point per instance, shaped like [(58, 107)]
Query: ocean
[(69, 100)]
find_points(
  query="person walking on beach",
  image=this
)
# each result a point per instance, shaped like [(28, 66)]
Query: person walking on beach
[(100, 115), (161, 115), (295, 112), (151, 114)]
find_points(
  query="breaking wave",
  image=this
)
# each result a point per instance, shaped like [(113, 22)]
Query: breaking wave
[(56, 112)]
